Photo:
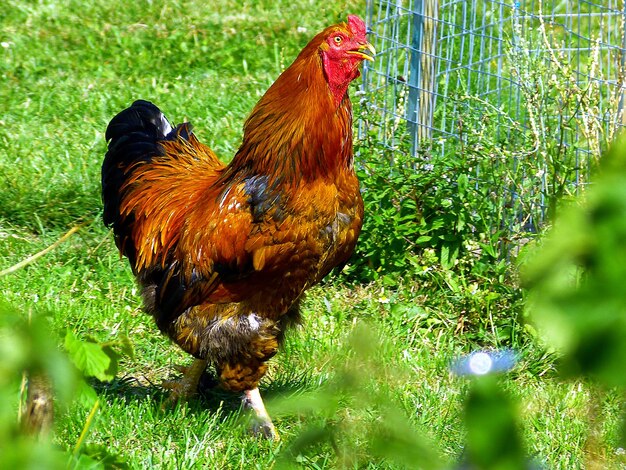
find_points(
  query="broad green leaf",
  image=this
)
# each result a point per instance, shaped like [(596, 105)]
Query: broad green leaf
[(91, 358)]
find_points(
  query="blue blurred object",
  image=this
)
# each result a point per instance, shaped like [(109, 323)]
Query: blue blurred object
[(484, 362)]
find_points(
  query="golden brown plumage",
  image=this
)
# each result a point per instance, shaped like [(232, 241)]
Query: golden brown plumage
[(224, 253)]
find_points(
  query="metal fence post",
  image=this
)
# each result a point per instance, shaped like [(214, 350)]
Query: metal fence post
[(413, 105), (422, 80)]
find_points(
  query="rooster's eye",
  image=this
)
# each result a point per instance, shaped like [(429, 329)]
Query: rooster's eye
[(338, 39)]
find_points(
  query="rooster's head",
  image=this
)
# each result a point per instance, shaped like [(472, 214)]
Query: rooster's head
[(343, 47)]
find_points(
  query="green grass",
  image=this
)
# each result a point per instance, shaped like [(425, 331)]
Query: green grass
[(67, 70)]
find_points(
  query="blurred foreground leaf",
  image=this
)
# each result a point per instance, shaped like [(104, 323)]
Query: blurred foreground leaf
[(493, 439), (576, 280), (27, 345)]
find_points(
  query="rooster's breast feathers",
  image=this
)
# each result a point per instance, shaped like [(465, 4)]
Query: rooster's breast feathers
[(215, 242)]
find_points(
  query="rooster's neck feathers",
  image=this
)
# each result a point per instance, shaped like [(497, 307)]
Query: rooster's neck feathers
[(301, 129)]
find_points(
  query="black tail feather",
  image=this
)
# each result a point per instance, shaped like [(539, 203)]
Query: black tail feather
[(133, 136)]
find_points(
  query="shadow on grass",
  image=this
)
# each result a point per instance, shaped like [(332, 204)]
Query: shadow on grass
[(211, 397)]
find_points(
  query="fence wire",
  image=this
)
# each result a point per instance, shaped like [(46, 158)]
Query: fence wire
[(545, 77)]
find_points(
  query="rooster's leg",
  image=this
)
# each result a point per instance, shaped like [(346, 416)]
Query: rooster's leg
[(262, 423), (187, 385)]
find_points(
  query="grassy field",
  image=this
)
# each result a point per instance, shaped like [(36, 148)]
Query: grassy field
[(383, 347)]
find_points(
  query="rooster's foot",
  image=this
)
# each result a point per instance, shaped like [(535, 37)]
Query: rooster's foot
[(187, 386), (261, 422)]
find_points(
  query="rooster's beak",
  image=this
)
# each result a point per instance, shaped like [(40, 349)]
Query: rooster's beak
[(365, 47)]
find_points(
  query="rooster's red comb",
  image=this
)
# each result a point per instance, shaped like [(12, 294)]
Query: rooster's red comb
[(357, 26)]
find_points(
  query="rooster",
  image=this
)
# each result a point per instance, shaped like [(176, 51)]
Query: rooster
[(224, 253)]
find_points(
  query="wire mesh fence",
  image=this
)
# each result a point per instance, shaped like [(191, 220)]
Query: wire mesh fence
[(532, 88)]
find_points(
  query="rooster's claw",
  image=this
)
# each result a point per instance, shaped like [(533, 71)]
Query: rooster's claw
[(261, 422)]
